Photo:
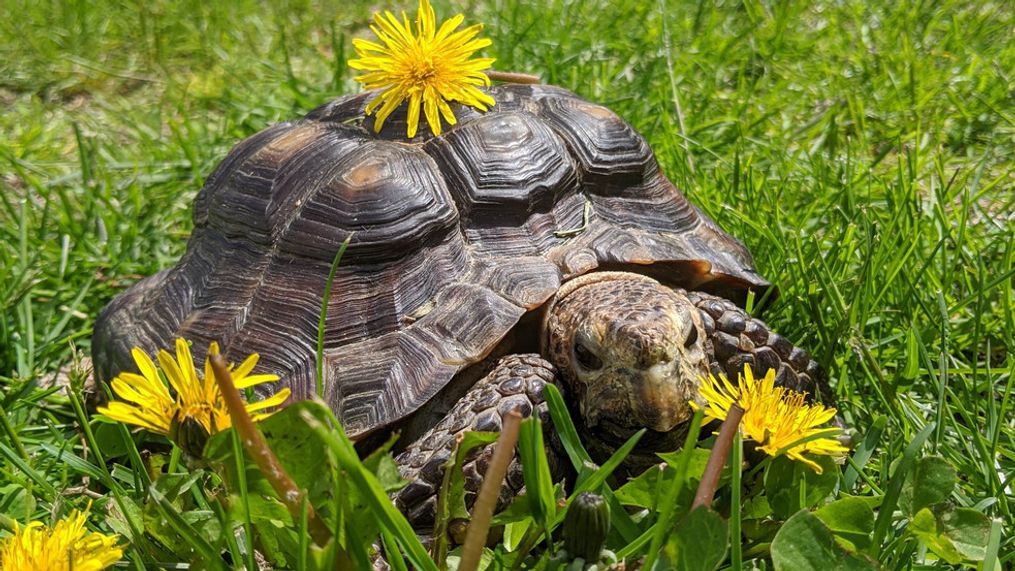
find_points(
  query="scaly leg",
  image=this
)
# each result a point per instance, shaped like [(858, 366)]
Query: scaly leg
[(515, 384), (737, 339)]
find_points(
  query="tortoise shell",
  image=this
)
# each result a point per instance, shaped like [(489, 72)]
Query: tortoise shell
[(454, 239)]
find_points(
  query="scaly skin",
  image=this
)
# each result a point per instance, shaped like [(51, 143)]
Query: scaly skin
[(515, 384), (636, 328)]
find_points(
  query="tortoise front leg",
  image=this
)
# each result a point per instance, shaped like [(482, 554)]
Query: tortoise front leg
[(516, 383), (738, 339)]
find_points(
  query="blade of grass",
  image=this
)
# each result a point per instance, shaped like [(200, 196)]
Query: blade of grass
[(891, 498), (863, 452), (12, 436), (990, 561), (241, 478), (595, 481), (36, 477), (390, 546), (304, 536), (536, 470), (566, 430), (319, 354), (567, 433), (736, 507), (667, 517)]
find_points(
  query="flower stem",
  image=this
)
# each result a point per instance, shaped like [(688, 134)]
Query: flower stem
[(255, 445), (486, 501), (716, 461), (513, 77)]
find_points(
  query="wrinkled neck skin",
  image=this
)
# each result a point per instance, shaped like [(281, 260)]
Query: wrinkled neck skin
[(630, 353)]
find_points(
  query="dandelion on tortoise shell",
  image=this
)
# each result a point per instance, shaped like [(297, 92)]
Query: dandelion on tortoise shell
[(428, 68), (196, 408), (67, 546)]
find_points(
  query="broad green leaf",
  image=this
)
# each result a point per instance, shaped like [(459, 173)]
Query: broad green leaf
[(791, 486), (850, 519), (261, 504), (118, 520), (756, 508), (386, 470), (695, 464), (376, 457), (173, 486), (485, 559), (109, 440), (517, 510), (302, 453), (331, 557), (953, 534), (969, 531), (925, 527), (16, 502), (456, 507), (643, 491), (699, 542), (174, 491), (275, 541), (514, 533), (804, 543), (931, 481)]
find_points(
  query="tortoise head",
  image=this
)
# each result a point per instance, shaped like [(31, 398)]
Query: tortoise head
[(630, 350)]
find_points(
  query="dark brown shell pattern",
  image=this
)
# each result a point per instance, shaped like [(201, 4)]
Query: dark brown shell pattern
[(454, 238)]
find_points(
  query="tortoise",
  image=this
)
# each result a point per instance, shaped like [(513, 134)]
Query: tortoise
[(536, 243)]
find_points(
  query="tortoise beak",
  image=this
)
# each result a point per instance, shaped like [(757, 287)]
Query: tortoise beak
[(663, 396), (657, 398)]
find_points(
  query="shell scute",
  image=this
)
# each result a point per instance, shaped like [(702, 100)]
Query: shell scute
[(502, 167), (390, 197), (611, 154)]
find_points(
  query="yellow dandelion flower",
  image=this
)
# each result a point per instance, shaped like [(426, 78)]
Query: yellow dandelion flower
[(778, 419), (196, 402), (428, 68), (68, 545)]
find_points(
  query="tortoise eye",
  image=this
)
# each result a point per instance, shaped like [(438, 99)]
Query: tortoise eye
[(586, 358), (691, 337)]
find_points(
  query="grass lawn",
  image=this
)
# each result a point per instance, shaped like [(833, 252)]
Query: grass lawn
[(864, 152)]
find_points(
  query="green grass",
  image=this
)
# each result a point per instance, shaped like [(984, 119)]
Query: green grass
[(865, 154)]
